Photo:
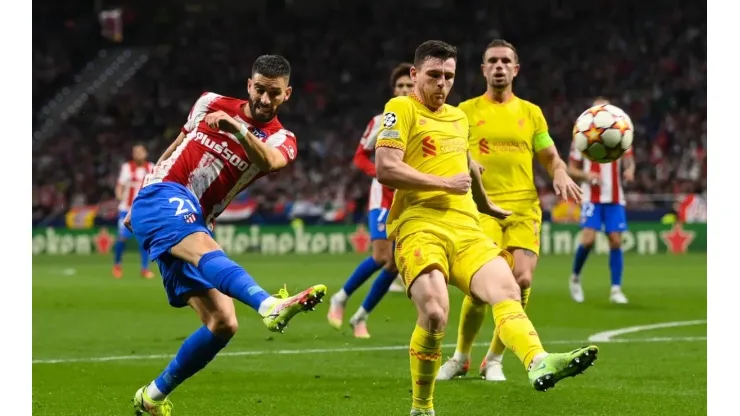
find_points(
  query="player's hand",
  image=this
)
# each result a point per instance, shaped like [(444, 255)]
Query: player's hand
[(221, 121), (127, 221), (458, 184), (593, 178), (565, 187), (629, 176), (495, 211)]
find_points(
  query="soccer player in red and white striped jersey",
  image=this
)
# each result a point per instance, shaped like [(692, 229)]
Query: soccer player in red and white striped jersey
[(380, 200), (603, 209), (225, 145), (130, 179)]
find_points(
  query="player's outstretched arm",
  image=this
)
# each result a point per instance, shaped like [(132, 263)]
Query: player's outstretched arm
[(484, 204), (267, 158), (558, 170), (394, 173)]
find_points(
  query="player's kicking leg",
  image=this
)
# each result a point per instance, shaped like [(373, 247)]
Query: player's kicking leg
[(368, 267), (525, 261), (495, 285), (191, 264), (201, 250), (471, 319)]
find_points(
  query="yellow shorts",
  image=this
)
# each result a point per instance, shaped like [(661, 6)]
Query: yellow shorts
[(458, 252), (520, 230)]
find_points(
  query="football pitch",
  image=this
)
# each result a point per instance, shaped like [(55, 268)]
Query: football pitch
[(96, 340)]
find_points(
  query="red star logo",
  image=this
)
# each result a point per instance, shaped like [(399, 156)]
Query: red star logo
[(103, 241), (596, 109), (677, 239), (360, 239), (621, 125), (593, 134)]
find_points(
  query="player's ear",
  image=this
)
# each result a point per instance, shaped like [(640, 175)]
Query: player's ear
[(249, 84), (516, 69), (412, 73), (288, 92)]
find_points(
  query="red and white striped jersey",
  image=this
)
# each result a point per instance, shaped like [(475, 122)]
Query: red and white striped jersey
[(212, 163), (380, 196), (131, 179), (609, 189)]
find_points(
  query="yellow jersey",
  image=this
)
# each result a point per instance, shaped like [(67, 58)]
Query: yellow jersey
[(504, 138), (434, 143)]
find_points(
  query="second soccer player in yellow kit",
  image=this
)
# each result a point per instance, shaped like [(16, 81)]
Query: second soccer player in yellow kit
[(422, 152), (506, 134)]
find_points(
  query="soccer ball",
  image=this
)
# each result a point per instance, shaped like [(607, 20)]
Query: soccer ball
[(603, 133)]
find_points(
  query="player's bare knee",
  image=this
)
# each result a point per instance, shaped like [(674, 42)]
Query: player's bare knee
[(391, 264), (615, 240), (588, 237), (432, 300), (434, 312), (223, 325), (511, 290), (382, 253), (524, 279)]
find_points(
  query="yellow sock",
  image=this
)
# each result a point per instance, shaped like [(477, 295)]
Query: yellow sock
[(516, 331), (471, 319), (425, 352), (497, 346)]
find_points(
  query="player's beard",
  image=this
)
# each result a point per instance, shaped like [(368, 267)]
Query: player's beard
[(435, 98), (260, 116)]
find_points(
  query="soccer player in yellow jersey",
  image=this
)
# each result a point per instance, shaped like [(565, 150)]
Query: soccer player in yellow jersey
[(506, 134), (422, 152)]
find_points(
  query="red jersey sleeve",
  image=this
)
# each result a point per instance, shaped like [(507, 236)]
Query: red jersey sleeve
[(285, 142), (363, 162), (199, 111), (367, 146)]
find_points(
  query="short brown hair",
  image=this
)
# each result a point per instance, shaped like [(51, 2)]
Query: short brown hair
[(500, 43), (403, 69), (434, 49)]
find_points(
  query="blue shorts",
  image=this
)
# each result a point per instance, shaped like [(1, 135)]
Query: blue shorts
[(162, 215), (610, 218), (123, 232), (376, 223)]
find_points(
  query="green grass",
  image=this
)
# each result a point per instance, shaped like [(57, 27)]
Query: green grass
[(80, 311)]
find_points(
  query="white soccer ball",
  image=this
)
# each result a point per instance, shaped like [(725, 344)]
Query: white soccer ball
[(603, 133)]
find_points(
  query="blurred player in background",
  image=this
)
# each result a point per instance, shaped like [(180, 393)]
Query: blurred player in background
[(602, 210), (128, 185), (225, 145), (379, 203), (506, 133), (422, 152)]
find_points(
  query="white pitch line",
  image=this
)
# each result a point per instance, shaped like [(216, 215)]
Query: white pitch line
[(332, 350), (606, 336)]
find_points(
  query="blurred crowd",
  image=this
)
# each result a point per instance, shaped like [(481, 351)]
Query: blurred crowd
[(649, 59)]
